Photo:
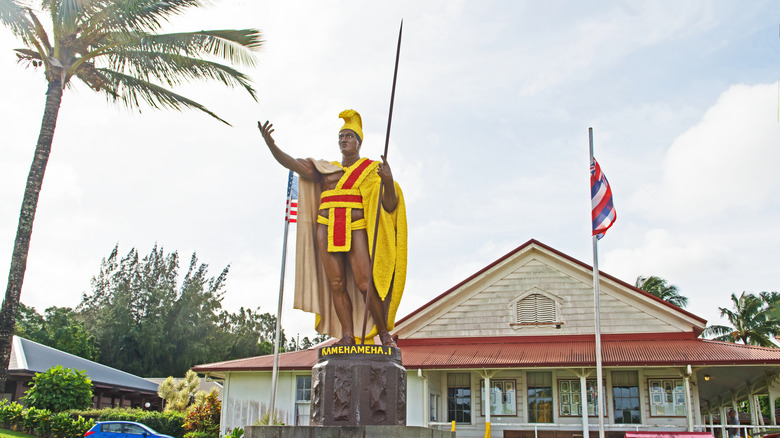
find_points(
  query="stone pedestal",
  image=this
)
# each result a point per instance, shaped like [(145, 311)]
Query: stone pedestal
[(358, 385)]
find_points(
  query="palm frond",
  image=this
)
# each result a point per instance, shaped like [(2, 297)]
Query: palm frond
[(13, 15), (140, 15), (233, 45), (718, 330), (131, 91), (29, 57), (40, 33), (174, 69)]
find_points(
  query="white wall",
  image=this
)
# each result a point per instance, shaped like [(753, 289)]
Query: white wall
[(416, 396), (246, 395)]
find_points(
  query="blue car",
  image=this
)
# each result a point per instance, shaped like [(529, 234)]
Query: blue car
[(122, 429)]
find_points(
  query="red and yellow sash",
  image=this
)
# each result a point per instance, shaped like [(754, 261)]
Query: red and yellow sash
[(340, 201)]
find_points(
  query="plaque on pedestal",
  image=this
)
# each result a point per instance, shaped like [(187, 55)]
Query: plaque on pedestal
[(356, 385)]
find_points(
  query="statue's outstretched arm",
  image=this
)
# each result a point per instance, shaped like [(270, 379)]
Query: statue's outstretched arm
[(302, 167)]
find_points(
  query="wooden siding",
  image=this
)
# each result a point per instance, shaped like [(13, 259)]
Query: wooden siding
[(487, 310)]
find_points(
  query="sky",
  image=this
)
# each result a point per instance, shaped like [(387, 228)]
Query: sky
[(489, 142)]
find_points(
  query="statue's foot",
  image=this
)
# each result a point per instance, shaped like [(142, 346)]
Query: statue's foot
[(346, 340), (387, 340)]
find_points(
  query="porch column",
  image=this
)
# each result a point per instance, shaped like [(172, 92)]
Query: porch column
[(770, 378), (736, 409), (487, 407), (758, 413), (722, 412), (752, 406), (584, 405), (426, 398), (225, 404), (689, 399)]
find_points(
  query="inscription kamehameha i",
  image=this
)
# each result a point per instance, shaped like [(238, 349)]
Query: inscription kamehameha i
[(356, 349)]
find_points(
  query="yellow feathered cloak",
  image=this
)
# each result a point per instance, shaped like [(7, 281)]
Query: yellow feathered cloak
[(312, 290)]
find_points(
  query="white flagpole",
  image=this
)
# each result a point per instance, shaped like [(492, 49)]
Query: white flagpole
[(597, 314), (278, 330)]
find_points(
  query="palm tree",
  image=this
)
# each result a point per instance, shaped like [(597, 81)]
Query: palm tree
[(751, 322), (662, 289), (113, 47)]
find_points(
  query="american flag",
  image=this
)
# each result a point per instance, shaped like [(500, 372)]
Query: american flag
[(291, 209), (603, 211)]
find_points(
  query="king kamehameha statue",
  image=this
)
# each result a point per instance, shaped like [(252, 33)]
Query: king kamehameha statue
[(337, 222), (342, 207)]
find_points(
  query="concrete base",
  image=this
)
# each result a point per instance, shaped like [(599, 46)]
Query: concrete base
[(344, 432)]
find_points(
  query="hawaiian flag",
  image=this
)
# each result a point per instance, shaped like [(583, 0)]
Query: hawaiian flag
[(603, 211), (291, 210)]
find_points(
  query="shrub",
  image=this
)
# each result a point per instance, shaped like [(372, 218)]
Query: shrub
[(235, 433), (43, 422), (12, 415), (79, 427), (62, 426), (60, 389), (204, 417), (198, 434), (37, 421)]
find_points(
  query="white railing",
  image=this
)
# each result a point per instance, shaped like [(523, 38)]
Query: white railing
[(745, 430)]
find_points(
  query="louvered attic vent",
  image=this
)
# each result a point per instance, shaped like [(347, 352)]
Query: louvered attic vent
[(535, 308)]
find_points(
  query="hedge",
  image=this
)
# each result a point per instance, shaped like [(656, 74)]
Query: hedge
[(168, 423)]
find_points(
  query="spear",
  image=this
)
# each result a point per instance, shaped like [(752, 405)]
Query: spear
[(370, 290)]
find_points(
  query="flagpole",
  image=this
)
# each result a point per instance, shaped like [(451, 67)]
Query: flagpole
[(597, 314), (277, 330)]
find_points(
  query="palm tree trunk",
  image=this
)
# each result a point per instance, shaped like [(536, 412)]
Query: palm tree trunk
[(13, 292)]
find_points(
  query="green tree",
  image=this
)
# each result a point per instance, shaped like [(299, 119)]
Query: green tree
[(661, 288), (750, 320), (112, 46), (248, 333), (146, 324), (59, 328), (60, 389), (320, 338)]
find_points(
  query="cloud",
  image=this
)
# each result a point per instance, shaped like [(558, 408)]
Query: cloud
[(725, 164)]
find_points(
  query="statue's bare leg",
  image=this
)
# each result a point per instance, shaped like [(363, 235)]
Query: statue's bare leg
[(335, 269), (361, 265)]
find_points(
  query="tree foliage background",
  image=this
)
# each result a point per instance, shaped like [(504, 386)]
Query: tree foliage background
[(138, 318), (753, 320)]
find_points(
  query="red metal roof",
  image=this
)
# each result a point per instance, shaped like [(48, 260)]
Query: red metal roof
[(657, 349)]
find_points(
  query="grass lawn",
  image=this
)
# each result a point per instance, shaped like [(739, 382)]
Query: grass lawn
[(5, 433)]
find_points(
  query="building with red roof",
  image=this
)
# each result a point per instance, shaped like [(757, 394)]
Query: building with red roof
[(519, 337)]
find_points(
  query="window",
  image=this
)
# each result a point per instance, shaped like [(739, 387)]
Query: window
[(433, 407), (503, 399), (625, 395), (570, 398), (302, 400), (539, 397), (459, 397), (133, 429), (111, 427), (535, 307), (667, 397)]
